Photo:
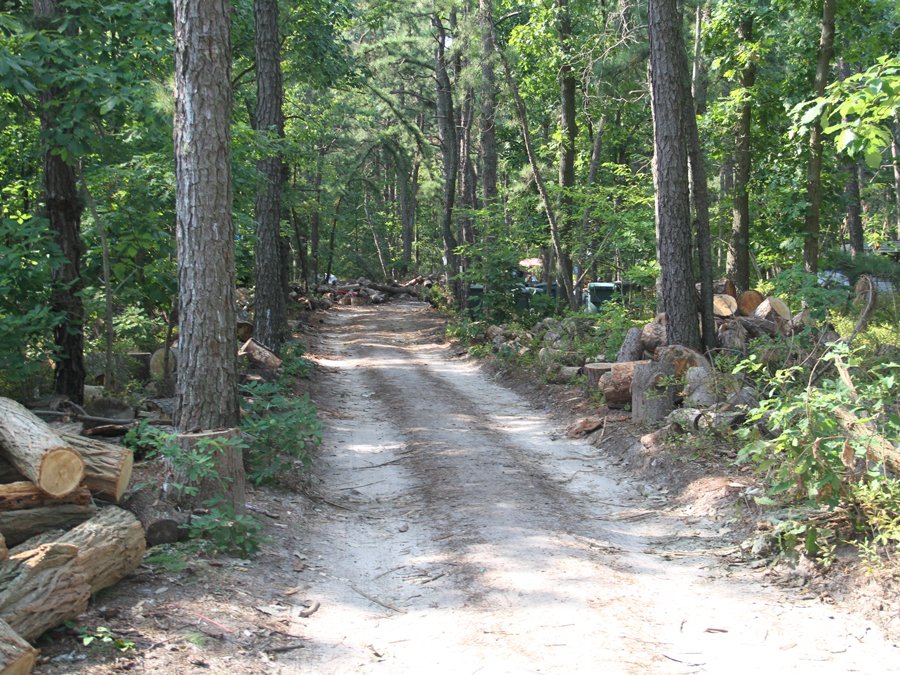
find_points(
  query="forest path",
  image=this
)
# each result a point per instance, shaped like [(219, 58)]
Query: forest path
[(457, 534)]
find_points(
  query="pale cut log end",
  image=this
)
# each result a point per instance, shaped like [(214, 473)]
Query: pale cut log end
[(61, 471)]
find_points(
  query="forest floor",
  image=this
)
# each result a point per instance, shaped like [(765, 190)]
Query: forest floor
[(449, 526)]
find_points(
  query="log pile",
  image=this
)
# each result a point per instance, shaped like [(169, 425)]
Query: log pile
[(57, 546), (366, 292)]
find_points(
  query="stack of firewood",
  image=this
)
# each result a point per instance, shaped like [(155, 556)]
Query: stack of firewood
[(366, 292), (58, 545)]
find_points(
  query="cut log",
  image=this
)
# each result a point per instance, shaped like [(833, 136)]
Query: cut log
[(17, 526), (260, 354), (748, 301), (594, 371), (16, 655), (45, 537), (616, 384), (107, 467), (653, 336), (228, 485), (724, 305), (757, 327), (163, 523), (632, 349), (773, 309), (110, 545), (26, 495), (36, 451), (42, 588), (4, 552), (724, 286)]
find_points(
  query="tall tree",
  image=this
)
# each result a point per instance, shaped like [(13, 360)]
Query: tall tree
[(63, 209), (814, 167), (207, 396), (670, 99), (270, 308), (569, 131), (738, 262), (488, 105)]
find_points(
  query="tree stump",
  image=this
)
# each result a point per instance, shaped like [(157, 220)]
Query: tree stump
[(17, 657), (652, 392), (36, 451), (42, 588), (228, 483), (632, 349), (594, 371), (107, 467)]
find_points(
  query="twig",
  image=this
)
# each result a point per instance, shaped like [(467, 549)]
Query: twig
[(376, 600), (82, 418), (214, 623), (375, 466), (285, 648)]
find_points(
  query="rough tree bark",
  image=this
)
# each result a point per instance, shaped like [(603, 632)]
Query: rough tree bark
[(63, 208), (207, 378), (738, 263), (814, 168), (569, 131), (270, 307), (668, 73)]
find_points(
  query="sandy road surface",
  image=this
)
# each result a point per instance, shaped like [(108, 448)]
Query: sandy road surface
[(468, 540)]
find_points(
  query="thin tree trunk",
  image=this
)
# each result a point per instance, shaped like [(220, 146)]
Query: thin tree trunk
[(669, 85), (449, 155), (270, 306), (814, 168), (207, 364), (738, 263), (895, 155), (569, 129), (488, 105)]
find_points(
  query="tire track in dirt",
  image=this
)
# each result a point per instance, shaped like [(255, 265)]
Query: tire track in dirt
[(467, 546)]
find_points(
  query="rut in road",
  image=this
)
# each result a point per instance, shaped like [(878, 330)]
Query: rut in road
[(457, 534)]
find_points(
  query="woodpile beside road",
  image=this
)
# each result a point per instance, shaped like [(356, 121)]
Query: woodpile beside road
[(62, 537)]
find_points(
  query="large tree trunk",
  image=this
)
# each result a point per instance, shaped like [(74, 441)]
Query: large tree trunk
[(668, 67), (17, 657), (18, 526), (228, 482), (814, 168), (207, 367), (569, 131), (26, 495), (270, 309), (36, 451), (63, 209), (738, 265)]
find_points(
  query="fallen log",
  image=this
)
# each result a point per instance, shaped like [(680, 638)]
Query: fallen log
[(732, 336), (42, 588), (4, 552), (36, 451), (616, 384), (773, 309), (107, 467), (110, 545), (757, 327), (17, 526), (17, 657), (260, 354), (23, 495)]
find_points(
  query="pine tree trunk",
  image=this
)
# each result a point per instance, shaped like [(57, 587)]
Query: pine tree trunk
[(738, 269), (63, 208), (207, 367), (569, 130), (814, 168), (668, 81), (270, 307), (488, 105)]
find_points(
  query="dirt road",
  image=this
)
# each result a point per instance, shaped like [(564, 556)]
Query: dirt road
[(458, 534)]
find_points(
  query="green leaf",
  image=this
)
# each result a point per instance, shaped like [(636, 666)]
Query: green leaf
[(873, 158)]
